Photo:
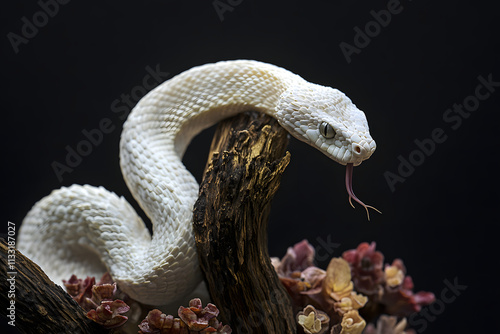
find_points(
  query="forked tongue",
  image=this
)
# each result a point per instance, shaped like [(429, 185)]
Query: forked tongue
[(348, 185)]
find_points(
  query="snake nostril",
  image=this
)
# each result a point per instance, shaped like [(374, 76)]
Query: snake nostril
[(359, 150)]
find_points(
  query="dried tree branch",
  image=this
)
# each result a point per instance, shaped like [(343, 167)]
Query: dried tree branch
[(242, 175), (40, 306)]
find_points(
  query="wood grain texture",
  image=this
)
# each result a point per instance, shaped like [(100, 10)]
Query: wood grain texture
[(41, 306), (243, 172)]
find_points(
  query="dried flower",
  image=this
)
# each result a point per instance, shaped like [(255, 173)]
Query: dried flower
[(313, 321), (81, 291), (388, 289), (352, 302), (338, 282), (99, 300), (393, 276), (297, 258), (330, 291), (352, 323), (388, 325), (275, 261), (108, 314), (366, 266), (298, 275), (399, 298), (195, 317), (73, 286), (402, 301), (339, 287), (192, 319), (103, 292), (158, 323), (106, 279), (313, 277)]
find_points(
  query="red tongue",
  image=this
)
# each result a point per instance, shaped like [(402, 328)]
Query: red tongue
[(348, 185)]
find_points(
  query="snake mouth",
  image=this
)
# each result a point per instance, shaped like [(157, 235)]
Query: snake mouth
[(352, 196)]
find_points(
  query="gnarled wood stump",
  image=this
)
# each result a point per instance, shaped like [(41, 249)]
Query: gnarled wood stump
[(242, 175)]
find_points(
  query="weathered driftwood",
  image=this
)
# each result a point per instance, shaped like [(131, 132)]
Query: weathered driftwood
[(246, 161), (40, 305)]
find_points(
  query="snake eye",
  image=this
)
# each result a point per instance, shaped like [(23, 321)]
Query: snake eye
[(326, 130)]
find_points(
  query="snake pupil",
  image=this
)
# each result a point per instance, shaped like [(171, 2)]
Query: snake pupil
[(326, 130)]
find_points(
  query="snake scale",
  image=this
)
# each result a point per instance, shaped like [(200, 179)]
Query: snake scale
[(86, 230)]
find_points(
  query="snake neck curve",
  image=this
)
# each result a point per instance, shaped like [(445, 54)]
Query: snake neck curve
[(156, 135)]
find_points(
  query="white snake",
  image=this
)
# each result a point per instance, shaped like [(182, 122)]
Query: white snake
[(85, 230)]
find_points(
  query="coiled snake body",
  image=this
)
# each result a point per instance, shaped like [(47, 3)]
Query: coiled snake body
[(86, 230)]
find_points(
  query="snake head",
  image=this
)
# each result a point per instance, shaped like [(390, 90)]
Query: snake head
[(327, 119)]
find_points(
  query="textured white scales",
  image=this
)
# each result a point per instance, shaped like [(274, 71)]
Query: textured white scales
[(86, 230)]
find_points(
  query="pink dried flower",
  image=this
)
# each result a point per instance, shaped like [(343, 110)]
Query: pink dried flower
[(103, 292), (389, 287), (195, 317), (73, 285), (192, 319), (99, 300), (106, 279), (297, 258), (366, 267), (313, 276), (399, 298), (402, 301), (108, 314), (158, 323), (81, 291)]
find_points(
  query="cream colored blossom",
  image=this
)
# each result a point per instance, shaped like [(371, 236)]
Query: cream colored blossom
[(337, 283), (338, 286), (352, 323), (311, 324), (352, 302), (394, 276), (313, 321)]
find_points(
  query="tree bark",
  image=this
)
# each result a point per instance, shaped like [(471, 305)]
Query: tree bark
[(40, 306), (243, 172)]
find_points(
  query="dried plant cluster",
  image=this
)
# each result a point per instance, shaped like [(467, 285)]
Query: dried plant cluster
[(192, 319), (102, 303), (354, 287), (100, 300)]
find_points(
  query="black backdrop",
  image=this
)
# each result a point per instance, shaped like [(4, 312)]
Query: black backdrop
[(65, 72)]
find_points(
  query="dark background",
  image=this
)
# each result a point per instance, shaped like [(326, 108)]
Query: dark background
[(441, 221)]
